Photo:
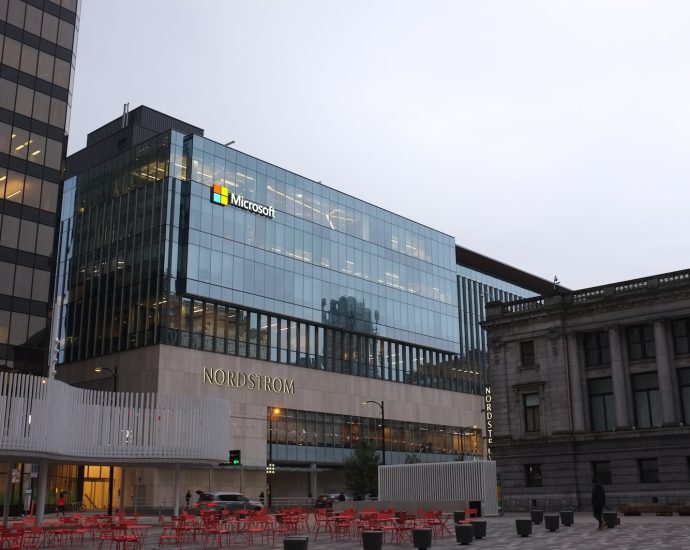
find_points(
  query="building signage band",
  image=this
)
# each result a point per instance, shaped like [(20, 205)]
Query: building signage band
[(489, 422), (248, 381), (222, 195)]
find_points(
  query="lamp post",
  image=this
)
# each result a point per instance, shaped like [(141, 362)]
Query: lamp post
[(270, 467), (113, 373), (383, 428)]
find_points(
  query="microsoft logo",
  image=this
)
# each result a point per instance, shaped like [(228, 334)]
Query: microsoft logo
[(219, 194)]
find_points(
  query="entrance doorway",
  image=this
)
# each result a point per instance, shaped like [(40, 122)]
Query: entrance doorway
[(95, 494)]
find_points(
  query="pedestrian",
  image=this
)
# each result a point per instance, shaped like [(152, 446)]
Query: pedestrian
[(60, 504), (341, 497), (598, 502), (261, 498), (188, 497)]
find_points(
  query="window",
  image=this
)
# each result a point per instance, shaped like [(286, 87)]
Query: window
[(640, 342), (649, 470), (533, 475), (601, 471), (681, 329), (596, 348), (527, 358), (601, 404), (647, 400), (531, 402)]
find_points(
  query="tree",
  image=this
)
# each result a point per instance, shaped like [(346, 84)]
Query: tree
[(361, 471)]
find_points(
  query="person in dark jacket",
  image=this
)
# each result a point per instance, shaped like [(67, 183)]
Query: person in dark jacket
[(598, 502)]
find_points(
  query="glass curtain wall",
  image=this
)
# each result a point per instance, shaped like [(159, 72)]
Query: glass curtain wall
[(36, 74), (475, 290)]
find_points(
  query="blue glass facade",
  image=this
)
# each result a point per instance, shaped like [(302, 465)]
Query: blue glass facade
[(329, 282), (395, 277), (475, 290)]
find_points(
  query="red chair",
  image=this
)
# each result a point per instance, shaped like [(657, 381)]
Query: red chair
[(33, 538), (257, 526), (11, 540), (169, 534), (404, 527)]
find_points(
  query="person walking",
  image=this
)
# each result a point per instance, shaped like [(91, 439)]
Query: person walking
[(598, 502), (60, 504), (188, 497)]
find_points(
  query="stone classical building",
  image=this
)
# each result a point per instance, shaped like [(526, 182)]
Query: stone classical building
[(593, 383)]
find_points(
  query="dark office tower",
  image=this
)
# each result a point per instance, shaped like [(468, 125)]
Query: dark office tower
[(37, 39)]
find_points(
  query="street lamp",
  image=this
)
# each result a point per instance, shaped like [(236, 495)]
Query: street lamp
[(270, 467), (113, 373), (383, 427)]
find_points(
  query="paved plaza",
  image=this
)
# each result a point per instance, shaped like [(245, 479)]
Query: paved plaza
[(634, 532)]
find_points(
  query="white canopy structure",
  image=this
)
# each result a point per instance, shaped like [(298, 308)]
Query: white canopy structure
[(45, 420)]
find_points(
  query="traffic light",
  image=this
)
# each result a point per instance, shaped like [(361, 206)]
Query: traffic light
[(235, 458)]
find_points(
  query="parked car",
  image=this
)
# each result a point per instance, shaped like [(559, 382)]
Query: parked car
[(225, 501), (326, 500)]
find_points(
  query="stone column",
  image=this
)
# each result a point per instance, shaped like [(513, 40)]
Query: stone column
[(8, 492), (576, 403), (42, 486), (618, 376), (663, 368), (122, 489), (176, 489)]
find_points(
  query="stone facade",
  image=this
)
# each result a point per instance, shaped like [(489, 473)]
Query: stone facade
[(593, 383), (173, 370)]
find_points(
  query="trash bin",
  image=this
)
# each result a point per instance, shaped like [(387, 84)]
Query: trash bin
[(421, 538), (372, 540), (295, 543)]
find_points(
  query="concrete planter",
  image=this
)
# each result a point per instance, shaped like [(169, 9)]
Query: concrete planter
[(537, 516), (552, 522), (524, 527), (372, 540), (421, 538), (458, 516), (567, 517), (295, 543), (610, 519), (479, 526), (464, 533)]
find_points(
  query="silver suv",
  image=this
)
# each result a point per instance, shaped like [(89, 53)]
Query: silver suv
[(225, 501)]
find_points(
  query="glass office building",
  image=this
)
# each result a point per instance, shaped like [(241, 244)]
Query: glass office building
[(36, 66), (255, 283)]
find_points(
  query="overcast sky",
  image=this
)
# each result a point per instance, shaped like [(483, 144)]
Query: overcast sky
[(552, 136)]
